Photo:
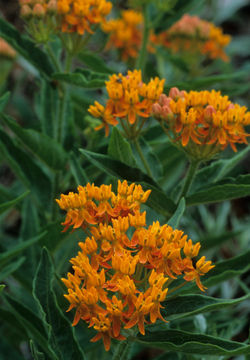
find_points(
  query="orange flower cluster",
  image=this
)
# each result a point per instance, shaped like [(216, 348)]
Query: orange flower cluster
[(192, 34), (6, 51), (120, 277), (129, 99), (203, 122), (79, 16), (125, 33)]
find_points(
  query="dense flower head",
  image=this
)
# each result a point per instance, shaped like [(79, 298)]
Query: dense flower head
[(202, 122), (6, 51), (130, 99), (125, 33), (79, 16), (120, 277), (194, 35)]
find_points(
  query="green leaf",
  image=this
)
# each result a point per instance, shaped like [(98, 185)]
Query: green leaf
[(27, 170), (46, 107), (187, 305), (201, 82), (9, 204), (83, 78), (43, 146), (235, 188), (77, 170), (37, 355), (217, 170), (181, 341), (16, 250), (31, 323), (1, 288), (120, 149), (94, 62), (4, 100), (151, 158), (27, 48), (157, 200), (11, 268), (116, 168), (60, 332), (175, 219), (216, 240)]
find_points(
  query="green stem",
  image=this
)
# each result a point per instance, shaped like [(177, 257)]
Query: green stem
[(141, 60), (144, 161), (193, 166), (53, 57), (122, 350)]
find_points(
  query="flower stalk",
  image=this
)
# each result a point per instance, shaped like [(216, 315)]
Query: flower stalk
[(193, 167)]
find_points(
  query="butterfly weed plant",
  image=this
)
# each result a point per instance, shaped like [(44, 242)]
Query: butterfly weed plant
[(112, 171)]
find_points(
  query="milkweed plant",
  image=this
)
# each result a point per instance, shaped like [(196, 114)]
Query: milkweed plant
[(124, 132)]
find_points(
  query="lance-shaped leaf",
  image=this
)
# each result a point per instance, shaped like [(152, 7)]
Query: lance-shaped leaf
[(120, 149), (25, 47), (233, 189), (60, 332), (187, 305), (46, 148), (83, 78), (9, 204), (3, 100), (94, 62), (188, 343), (175, 219)]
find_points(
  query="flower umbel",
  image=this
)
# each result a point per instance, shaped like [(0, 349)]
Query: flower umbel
[(194, 35), (202, 123), (130, 101), (125, 33), (120, 277)]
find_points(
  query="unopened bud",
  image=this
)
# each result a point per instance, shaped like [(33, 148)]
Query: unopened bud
[(164, 100), (175, 93), (26, 11), (209, 111), (52, 6), (156, 110), (230, 106), (24, 2), (165, 112), (38, 11)]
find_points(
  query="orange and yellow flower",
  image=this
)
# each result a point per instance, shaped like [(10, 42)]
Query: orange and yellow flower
[(120, 277), (125, 33), (130, 101), (193, 35), (202, 123), (80, 16)]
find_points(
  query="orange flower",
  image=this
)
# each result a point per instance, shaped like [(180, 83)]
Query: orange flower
[(125, 33), (79, 16), (202, 123), (130, 101), (195, 36), (119, 278)]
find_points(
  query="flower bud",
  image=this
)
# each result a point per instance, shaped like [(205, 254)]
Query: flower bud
[(26, 11), (38, 11), (175, 93), (209, 111), (25, 2), (156, 110), (164, 100), (52, 6), (166, 111)]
